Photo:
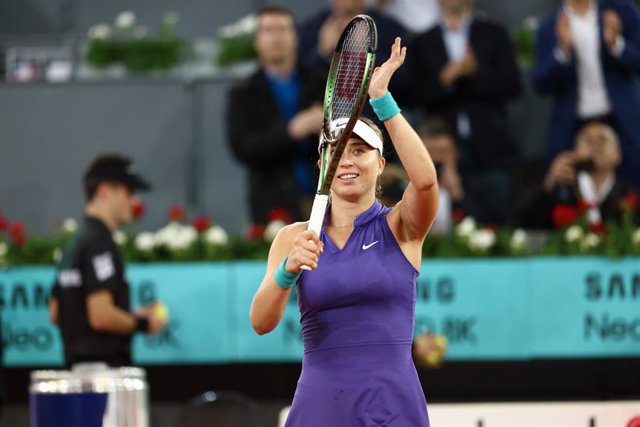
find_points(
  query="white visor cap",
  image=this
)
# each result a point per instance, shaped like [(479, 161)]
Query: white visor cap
[(361, 129)]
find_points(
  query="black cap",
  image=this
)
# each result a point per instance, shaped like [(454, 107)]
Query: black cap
[(115, 168)]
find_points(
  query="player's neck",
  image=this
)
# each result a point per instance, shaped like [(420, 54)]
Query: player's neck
[(96, 211), (344, 212)]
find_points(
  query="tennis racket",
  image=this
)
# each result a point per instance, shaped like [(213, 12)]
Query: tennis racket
[(344, 96)]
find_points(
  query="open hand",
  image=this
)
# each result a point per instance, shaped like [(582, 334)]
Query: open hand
[(612, 26), (382, 75), (563, 33)]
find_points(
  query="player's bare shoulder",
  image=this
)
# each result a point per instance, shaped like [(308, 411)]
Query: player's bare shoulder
[(288, 233)]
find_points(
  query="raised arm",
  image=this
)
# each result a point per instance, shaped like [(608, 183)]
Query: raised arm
[(413, 215)]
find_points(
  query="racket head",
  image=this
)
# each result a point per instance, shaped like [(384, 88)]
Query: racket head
[(346, 90)]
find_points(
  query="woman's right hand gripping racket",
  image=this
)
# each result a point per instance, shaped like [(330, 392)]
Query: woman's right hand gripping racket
[(347, 83)]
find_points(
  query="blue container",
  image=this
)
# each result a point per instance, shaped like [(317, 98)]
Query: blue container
[(90, 395)]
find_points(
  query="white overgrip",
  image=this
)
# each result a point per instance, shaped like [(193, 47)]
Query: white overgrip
[(317, 212), (317, 216)]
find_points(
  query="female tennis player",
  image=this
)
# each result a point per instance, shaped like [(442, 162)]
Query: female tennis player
[(357, 302)]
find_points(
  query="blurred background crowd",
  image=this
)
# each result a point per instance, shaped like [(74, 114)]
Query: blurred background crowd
[(525, 106), (529, 110)]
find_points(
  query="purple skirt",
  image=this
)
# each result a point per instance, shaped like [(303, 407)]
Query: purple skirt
[(359, 386)]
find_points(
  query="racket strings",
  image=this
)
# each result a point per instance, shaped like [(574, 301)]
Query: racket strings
[(351, 69)]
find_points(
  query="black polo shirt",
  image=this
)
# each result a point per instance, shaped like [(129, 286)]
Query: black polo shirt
[(91, 263)]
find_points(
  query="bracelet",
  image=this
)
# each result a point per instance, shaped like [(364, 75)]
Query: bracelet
[(385, 107), (142, 324), (283, 278)]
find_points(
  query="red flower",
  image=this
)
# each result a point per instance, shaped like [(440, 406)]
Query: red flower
[(630, 201), (598, 227), (458, 215), (201, 223), (280, 214), (138, 210), (256, 231), (176, 213), (4, 223), (563, 215), (16, 231), (583, 206)]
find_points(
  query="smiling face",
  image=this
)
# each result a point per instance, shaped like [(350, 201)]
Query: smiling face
[(358, 171)]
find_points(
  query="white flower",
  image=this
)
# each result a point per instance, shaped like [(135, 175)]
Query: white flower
[(172, 17), (246, 25), (216, 235), (145, 241), (99, 32), (69, 225), (466, 227), (4, 249), (140, 31), (518, 239), (176, 236), (573, 233), (120, 237), (591, 240), (272, 229), (482, 240), (531, 23), (635, 237), (57, 255), (126, 19)]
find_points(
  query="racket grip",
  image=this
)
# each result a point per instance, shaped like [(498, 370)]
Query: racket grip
[(317, 217), (317, 212)]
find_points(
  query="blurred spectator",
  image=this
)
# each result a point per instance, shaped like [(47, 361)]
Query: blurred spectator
[(417, 16), (320, 33), (588, 58), (465, 70), (273, 119), (584, 180), (458, 198)]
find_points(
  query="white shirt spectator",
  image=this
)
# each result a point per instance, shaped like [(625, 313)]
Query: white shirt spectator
[(592, 93)]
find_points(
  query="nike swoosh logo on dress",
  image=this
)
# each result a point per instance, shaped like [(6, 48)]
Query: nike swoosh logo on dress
[(365, 247)]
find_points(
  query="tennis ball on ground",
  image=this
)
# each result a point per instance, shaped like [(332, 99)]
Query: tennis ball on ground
[(161, 311)]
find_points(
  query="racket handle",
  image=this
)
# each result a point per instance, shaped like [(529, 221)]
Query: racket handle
[(317, 212), (317, 216)]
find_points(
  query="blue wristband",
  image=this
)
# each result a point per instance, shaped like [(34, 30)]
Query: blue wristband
[(385, 107), (283, 278)]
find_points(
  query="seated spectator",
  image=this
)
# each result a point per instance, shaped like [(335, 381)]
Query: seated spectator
[(454, 201), (464, 70), (273, 119), (583, 180), (588, 59)]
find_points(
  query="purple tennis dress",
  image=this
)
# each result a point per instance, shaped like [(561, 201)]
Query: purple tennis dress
[(357, 316)]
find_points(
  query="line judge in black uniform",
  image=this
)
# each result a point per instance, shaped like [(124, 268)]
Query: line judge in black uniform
[(90, 299)]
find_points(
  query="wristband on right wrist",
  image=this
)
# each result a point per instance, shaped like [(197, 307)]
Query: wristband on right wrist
[(142, 324), (283, 278)]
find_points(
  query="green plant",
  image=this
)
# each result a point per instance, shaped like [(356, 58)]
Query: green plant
[(129, 45), (235, 41)]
